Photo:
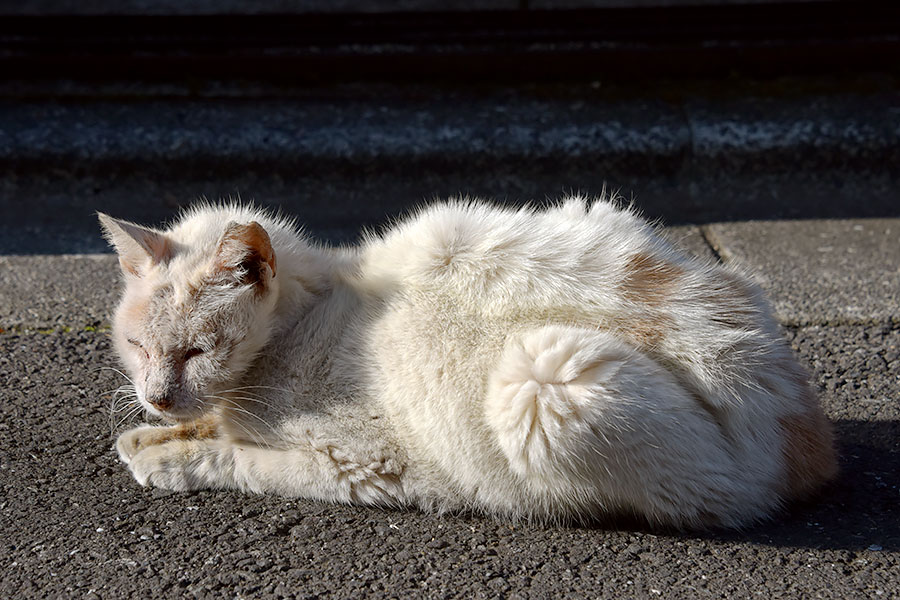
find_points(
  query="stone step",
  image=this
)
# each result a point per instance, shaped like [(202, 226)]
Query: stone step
[(341, 158)]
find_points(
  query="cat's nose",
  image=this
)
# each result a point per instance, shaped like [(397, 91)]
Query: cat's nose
[(161, 402)]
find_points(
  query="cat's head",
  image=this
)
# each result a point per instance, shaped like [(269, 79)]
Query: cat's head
[(195, 311)]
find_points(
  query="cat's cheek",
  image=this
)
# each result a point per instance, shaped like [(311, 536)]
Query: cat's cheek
[(200, 373)]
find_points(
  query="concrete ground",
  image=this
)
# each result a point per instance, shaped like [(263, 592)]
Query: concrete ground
[(74, 524)]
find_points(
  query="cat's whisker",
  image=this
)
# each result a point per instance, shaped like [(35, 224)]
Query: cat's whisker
[(132, 410), (124, 398), (252, 432), (233, 401), (118, 390), (243, 424), (129, 379), (251, 399), (257, 401), (124, 401), (125, 390), (128, 416), (245, 395), (261, 387), (235, 406)]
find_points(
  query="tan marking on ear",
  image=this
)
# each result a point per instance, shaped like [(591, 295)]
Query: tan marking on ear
[(649, 280), (808, 453), (247, 247), (256, 238)]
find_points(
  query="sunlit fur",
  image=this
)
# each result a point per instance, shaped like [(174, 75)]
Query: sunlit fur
[(557, 364)]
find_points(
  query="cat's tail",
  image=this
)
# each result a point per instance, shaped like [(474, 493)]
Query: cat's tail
[(590, 423)]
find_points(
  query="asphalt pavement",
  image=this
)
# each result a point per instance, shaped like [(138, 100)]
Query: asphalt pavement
[(807, 203)]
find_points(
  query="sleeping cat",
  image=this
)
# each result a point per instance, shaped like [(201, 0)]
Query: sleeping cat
[(558, 364)]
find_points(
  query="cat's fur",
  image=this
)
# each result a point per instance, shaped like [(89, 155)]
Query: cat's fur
[(565, 363)]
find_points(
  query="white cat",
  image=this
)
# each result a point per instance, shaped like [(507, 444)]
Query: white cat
[(558, 364)]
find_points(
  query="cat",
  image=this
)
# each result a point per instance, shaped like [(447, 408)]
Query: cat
[(556, 364)]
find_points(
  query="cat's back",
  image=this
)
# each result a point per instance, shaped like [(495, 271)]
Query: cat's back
[(492, 260)]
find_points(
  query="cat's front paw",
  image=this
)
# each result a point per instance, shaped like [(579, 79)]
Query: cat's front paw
[(165, 466), (134, 440)]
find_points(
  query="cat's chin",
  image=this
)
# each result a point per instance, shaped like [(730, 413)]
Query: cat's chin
[(179, 416)]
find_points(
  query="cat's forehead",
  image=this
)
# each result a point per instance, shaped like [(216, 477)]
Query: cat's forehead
[(162, 300), (155, 303), (158, 317)]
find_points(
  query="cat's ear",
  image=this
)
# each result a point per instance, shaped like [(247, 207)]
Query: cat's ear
[(245, 253), (136, 245)]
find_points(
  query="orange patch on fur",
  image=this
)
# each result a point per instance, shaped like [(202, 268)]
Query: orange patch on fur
[(249, 248), (649, 280), (809, 456), (646, 331), (203, 428)]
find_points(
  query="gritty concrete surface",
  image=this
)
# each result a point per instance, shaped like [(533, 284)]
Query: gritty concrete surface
[(34, 294), (796, 133), (75, 525), (823, 271), (563, 4), (447, 125), (691, 239)]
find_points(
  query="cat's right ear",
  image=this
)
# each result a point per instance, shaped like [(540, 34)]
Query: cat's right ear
[(136, 246)]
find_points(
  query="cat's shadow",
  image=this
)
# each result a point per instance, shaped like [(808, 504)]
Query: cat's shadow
[(859, 511)]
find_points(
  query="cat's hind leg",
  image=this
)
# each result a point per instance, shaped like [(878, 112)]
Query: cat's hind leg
[(589, 423)]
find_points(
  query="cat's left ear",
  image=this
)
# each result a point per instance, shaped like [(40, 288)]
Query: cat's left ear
[(245, 253), (137, 246)]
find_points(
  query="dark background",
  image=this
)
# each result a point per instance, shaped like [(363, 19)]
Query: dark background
[(346, 113)]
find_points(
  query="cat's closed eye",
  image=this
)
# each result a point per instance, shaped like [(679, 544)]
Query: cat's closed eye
[(192, 353), (137, 344)]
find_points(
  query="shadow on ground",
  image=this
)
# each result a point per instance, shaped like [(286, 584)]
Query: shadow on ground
[(858, 511)]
